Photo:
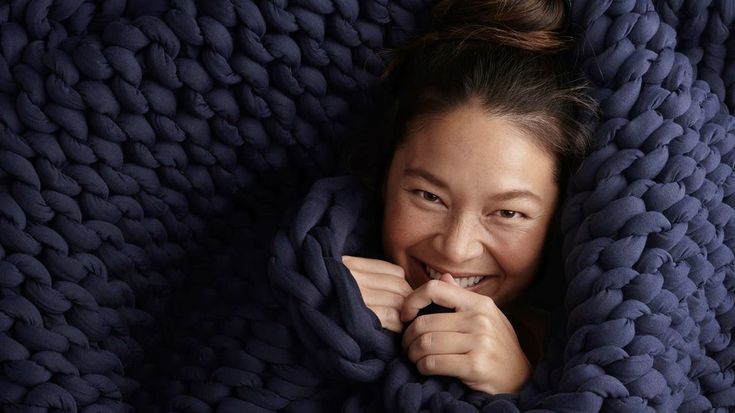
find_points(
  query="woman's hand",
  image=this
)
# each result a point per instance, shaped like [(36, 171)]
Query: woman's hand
[(383, 287), (477, 344)]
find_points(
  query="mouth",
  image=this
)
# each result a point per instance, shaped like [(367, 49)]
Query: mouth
[(469, 282)]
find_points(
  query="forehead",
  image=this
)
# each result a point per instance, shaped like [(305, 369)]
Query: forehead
[(470, 145)]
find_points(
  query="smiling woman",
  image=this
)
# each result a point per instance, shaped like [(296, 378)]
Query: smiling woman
[(470, 195), (478, 142)]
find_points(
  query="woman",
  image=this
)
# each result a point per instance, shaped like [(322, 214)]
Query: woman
[(481, 139)]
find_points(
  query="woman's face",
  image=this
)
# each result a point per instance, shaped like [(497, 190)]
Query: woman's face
[(472, 195)]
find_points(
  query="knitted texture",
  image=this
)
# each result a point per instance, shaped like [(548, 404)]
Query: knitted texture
[(149, 150), (648, 239)]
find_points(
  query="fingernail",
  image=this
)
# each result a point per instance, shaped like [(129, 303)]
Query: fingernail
[(447, 277)]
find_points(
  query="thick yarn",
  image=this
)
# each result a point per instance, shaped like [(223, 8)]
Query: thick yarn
[(149, 151), (649, 307)]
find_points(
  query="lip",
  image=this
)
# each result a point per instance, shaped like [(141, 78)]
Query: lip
[(422, 267)]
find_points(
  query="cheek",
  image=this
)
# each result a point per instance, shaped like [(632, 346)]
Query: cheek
[(403, 227), (396, 231), (519, 255)]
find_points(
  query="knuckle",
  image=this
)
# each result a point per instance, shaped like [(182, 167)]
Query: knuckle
[(421, 324), (381, 313), (425, 341), (488, 304), (482, 321), (397, 300), (433, 285), (363, 293), (484, 342), (349, 262), (393, 326), (357, 276), (427, 365), (390, 314), (478, 366)]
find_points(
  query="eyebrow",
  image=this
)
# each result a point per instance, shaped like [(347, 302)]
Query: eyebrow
[(516, 194), (503, 196), (426, 175)]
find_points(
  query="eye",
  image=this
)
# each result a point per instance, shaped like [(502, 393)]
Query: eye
[(428, 196), (507, 213)]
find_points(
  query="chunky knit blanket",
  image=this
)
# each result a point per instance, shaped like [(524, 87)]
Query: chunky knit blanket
[(151, 150)]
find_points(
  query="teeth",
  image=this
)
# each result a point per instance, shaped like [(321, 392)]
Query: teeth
[(468, 281), (432, 273), (463, 282)]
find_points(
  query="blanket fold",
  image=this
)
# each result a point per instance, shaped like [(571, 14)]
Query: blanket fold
[(647, 316), (149, 150), (341, 338)]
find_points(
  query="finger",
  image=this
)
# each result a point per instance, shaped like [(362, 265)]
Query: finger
[(382, 282), (439, 292), (453, 365), (445, 322), (382, 298), (439, 343), (447, 278), (389, 318), (373, 265)]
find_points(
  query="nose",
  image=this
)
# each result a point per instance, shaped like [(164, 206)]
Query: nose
[(460, 240)]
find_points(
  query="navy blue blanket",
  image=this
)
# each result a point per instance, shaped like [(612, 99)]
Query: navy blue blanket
[(151, 150)]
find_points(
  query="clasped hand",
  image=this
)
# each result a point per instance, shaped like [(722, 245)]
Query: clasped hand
[(476, 343)]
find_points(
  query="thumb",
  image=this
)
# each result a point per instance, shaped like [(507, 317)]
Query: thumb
[(447, 278)]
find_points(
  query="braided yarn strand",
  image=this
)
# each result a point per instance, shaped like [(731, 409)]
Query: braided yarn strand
[(649, 308), (703, 29), (134, 138), (147, 150), (650, 241)]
